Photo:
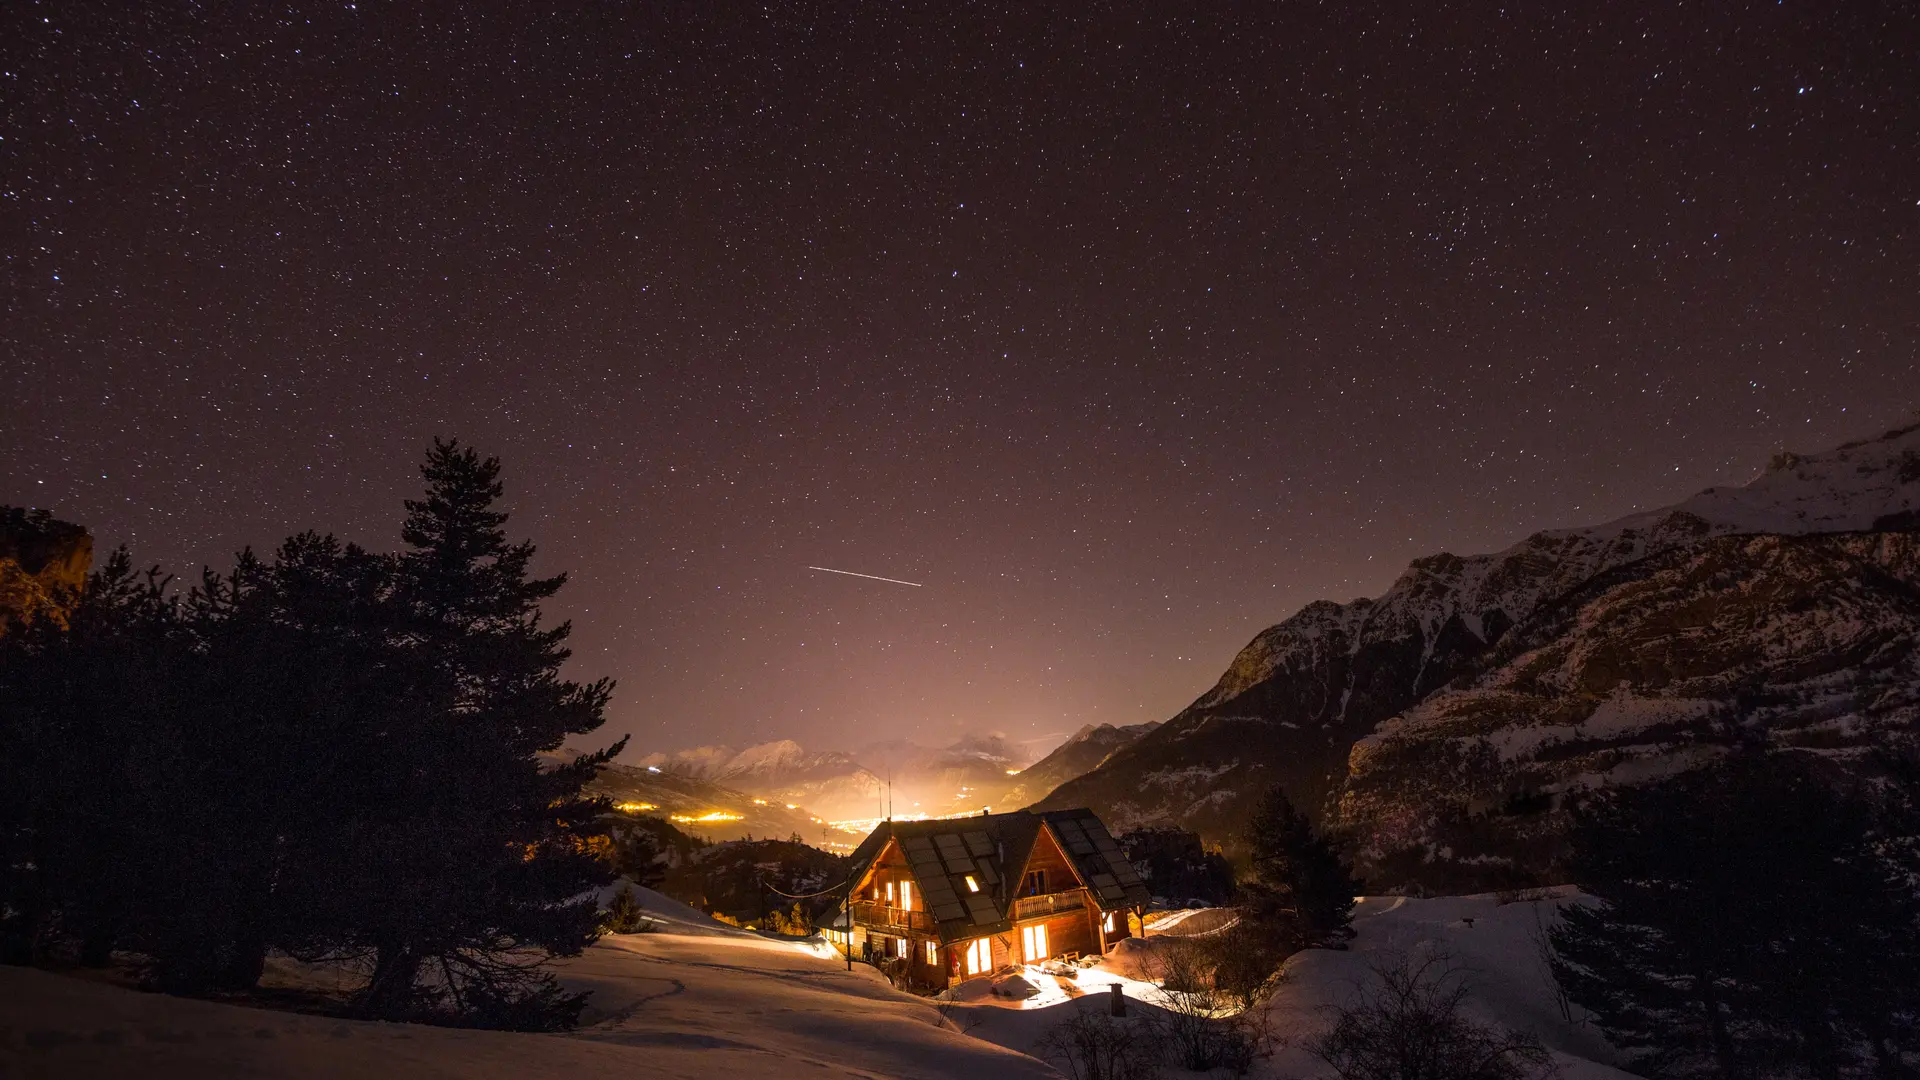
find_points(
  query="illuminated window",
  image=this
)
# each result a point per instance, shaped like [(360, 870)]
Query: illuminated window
[(900, 947), (1033, 941), (972, 885), (1107, 923), (906, 895), (933, 954), (979, 956), (889, 894)]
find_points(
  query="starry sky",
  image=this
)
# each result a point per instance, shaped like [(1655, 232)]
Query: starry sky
[(1124, 329)]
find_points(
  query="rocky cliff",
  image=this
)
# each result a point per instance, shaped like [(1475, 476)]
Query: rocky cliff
[(1410, 720), (43, 564)]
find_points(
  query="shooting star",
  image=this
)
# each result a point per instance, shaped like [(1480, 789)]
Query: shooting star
[(870, 577)]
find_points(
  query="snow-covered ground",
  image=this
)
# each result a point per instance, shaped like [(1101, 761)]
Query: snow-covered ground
[(698, 999), (1493, 946), (695, 1000)]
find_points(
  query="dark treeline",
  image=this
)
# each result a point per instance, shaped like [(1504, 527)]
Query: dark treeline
[(786, 886), (1752, 919), (1177, 866), (331, 752), (1758, 918), (1300, 895)]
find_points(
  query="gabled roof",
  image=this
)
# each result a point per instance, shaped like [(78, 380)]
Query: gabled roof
[(1097, 858), (993, 849)]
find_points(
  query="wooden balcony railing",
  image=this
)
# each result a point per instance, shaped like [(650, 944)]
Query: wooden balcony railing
[(1030, 907), (875, 913)]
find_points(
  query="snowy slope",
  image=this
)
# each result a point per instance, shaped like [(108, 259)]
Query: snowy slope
[(671, 1005), (697, 1000), (1497, 955)]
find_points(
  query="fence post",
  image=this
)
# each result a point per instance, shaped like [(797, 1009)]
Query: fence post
[(1116, 1001)]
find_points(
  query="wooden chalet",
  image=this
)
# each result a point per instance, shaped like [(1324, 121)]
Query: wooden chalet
[(958, 898)]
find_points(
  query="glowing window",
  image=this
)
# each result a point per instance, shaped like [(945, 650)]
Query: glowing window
[(889, 893), (1033, 941), (972, 885), (906, 895), (1107, 923), (933, 954), (979, 956), (900, 947)]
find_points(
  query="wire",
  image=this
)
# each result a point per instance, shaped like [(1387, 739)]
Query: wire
[(807, 896)]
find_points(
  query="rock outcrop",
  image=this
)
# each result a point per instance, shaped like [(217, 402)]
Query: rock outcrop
[(43, 565)]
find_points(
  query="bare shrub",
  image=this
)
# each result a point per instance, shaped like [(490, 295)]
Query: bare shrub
[(1090, 1045), (1245, 958), (1204, 1027), (953, 1016), (1408, 1026)]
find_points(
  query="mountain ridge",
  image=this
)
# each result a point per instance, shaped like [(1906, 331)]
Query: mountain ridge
[(1301, 694)]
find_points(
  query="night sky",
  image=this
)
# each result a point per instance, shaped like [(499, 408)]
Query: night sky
[(1125, 333)]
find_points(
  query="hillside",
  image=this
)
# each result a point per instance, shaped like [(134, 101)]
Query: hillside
[(696, 999), (1728, 619), (704, 808), (1637, 675), (689, 1002)]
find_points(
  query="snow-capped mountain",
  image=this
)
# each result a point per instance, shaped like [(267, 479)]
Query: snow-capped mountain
[(1697, 598), (958, 778), (701, 761), (1080, 754), (827, 782)]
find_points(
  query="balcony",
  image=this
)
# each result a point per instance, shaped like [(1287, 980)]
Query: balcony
[(1032, 907), (876, 914)]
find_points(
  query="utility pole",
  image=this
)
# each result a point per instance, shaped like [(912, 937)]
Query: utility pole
[(846, 907)]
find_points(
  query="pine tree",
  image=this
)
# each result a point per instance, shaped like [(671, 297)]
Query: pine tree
[(624, 914), (92, 770), (297, 668), (1300, 873), (1746, 917), (1660, 961), (481, 851)]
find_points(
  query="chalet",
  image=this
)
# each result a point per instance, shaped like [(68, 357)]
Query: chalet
[(953, 899)]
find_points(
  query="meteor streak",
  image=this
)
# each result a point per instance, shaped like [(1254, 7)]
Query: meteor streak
[(871, 577)]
